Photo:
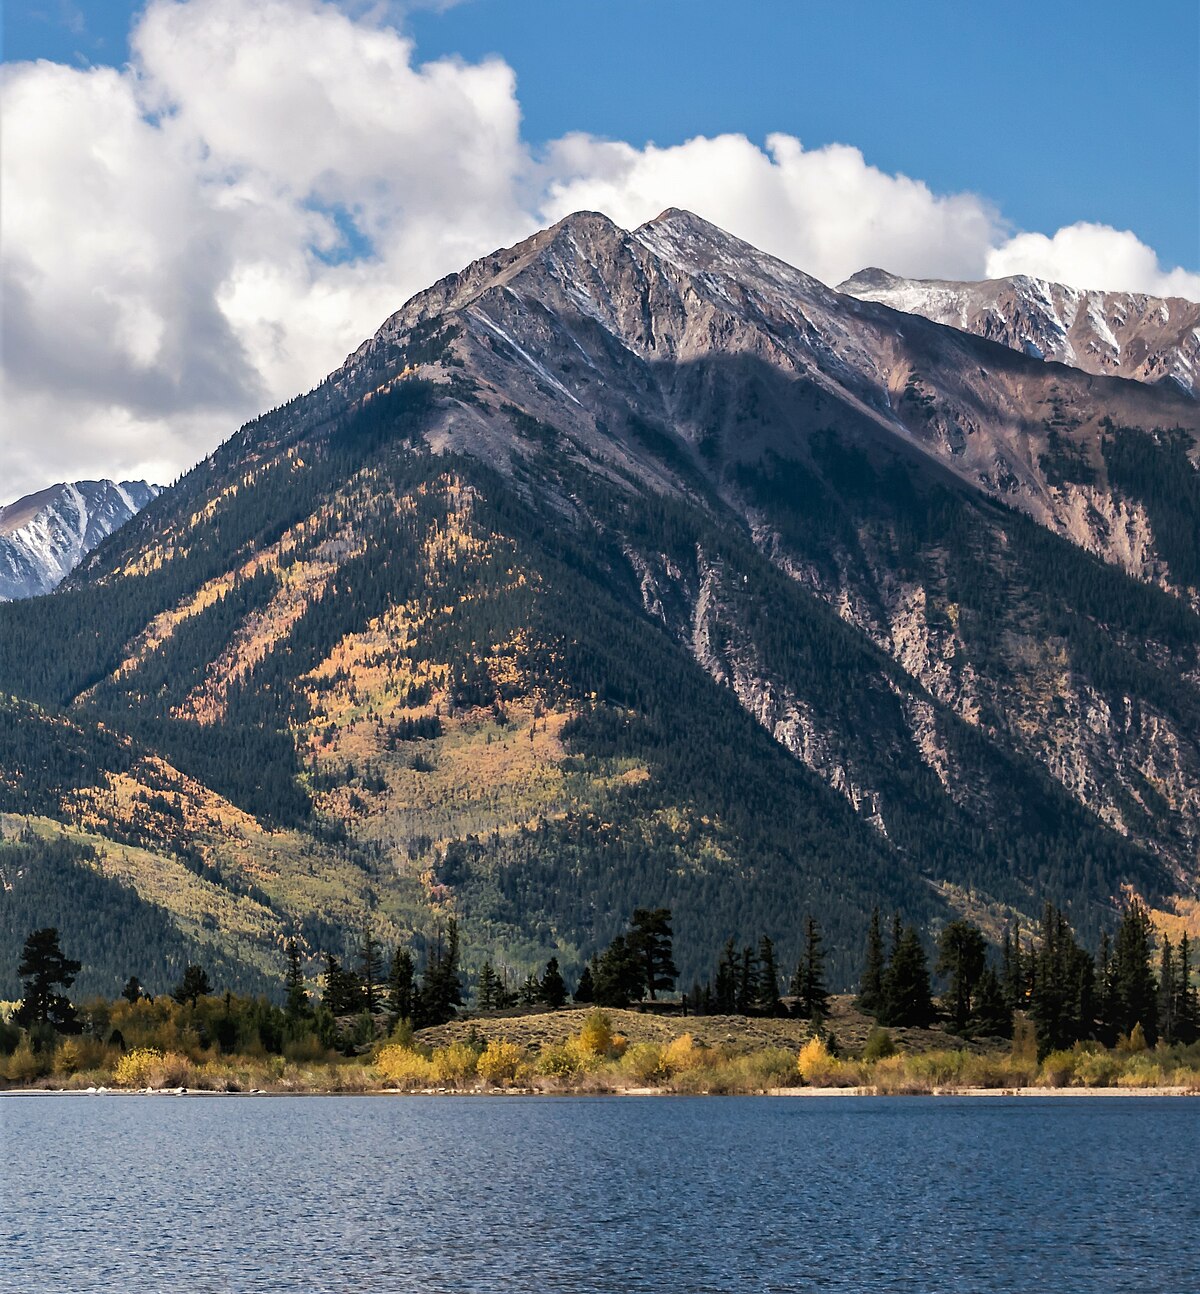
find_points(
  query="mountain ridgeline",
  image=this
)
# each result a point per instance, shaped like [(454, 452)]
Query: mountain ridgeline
[(628, 569)]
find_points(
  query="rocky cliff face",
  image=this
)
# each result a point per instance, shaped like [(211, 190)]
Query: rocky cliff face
[(44, 536), (1111, 334)]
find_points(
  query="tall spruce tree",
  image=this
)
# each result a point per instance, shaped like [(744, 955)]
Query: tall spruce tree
[(808, 983), (1187, 1016), (1062, 999), (400, 999), (725, 988), (488, 990), (585, 990), (650, 939), (370, 969), (1168, 993), (1134, 986), (747, 982), (552, 990), (991, 1016), (906, 995), (766, 997), (870, 988), (962, 956), (618, 978), (296, 1006)]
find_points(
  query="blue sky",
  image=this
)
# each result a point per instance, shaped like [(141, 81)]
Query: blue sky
[(207, 204), (1057, 112)]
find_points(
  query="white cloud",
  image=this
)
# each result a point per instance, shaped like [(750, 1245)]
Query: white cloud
[(824, 210), (1092, 256), (206, 232)]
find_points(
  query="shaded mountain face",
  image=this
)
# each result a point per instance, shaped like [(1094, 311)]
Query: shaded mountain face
[(44, 536), (637, 568), (1111, 334)]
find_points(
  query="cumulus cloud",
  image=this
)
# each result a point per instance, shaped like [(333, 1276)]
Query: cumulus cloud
[(825, 210), (213, 228), (1092, 256)]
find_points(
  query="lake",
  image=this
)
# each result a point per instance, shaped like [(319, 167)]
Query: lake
[(573, 1195)]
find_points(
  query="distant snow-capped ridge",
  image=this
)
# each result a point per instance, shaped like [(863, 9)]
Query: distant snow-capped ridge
[(1111, 334), (44, 536)]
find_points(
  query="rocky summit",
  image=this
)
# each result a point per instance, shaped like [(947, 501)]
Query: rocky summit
[(632, 568)]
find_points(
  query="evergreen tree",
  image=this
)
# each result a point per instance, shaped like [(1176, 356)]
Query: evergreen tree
[(991, 1016), (489, 991), (906, 996), (1187, 1018), (530, 990), (618, 978), (747, 982), (766, 997), (1168, 993), (1014, 980), (725, 989), (1133, 979), (585, 990), (341, 994), (297, 1007), (808, 983), (370, 969), (441, 990), (195, 984), (650, 939), (553, 990), (1061, 1000), (42, 967), (870, 989), (962, 955), (132, 992), (400, 999)]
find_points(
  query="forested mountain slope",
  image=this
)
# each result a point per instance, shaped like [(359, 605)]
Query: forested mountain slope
[(627, 569)]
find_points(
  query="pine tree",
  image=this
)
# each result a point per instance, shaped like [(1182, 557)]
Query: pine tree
[(530, 990), (808, 983), (585, 990), (766, 997), (1187, 1016), (297, 1007), (370, 969), (991, 1016), (962, 955), (906, 996), (1014, 980), (1061, 1000), (747, 982), (1168, 993), (132, 992), (650, 939), (195, 984), (1134, 986), (870, 990), (725, 989), (488, 991), (552, 990), (42, 967), (441, 990), (400, 999), (619, 975)]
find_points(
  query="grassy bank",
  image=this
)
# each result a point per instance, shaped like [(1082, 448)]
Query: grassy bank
[(612, 1052)]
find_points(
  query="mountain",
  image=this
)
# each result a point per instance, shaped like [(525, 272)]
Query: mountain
[(1111, 334), (44, 536), (627, 568)]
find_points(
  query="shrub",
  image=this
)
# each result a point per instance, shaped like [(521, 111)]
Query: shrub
[(891, 1077), (134, 1068), (683, 1053), (402, 1067), (1095, 1068), (455, 1064), (25, 1064), (596, 1036), (815, 1064), (878, 1045), (644, 1063), (499, 1062), (562, 1060), (1058, 1069)]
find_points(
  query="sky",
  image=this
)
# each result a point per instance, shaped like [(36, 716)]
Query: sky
[(207, 204)]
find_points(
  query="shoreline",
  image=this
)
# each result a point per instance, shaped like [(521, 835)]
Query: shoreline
[(784, 1092)]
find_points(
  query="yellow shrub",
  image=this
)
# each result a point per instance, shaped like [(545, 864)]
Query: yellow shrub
[(454, 1064), (1095, 1068), (1058, 1069), (66, 1058), (499, 1062), (644, 1064), (891, 1077), (401, 1067), (817, 1067), (134, 1068), (682, 1054), (596, 1036), (25, 1064), (563, 1060)]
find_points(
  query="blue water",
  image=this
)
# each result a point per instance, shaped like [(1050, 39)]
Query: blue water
[(459, 1195)]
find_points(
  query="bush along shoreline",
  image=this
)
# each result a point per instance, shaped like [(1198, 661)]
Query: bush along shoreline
[(1042, 1015)]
